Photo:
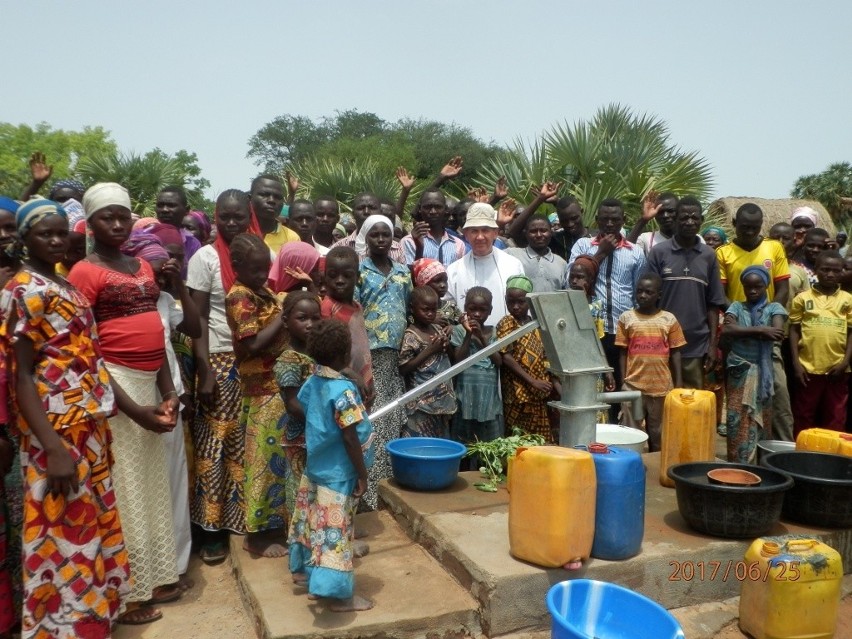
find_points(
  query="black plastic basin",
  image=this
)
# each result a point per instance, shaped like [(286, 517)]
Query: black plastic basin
[(822, 495), (736, 512)]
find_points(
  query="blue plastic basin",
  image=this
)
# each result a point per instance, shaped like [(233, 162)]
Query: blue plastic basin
[(589, 609), (425, 463)]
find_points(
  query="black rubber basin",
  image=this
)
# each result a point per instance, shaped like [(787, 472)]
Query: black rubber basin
[(822, 495), (736, 512)]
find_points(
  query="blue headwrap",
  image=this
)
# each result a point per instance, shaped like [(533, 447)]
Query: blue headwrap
[(764, 359), (718, 231), (31, 213), (8, 204), (74, 185)]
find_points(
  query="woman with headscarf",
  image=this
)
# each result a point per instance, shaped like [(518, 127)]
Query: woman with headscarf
[(524, 377), (383, 290), (750, 329), (75, 565), (218, 498), (293, 266), (714, 237), (197, 223), (144, 245), (123, 294)]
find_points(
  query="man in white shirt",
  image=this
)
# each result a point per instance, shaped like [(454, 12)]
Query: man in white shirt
[(484, 265)]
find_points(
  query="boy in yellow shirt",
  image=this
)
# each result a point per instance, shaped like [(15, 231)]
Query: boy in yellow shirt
[(820, 330)]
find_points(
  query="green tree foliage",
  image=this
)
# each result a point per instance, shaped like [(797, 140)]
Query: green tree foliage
[(615, 154), (145, 175), (63, 149), (350, 151), (827, 188)]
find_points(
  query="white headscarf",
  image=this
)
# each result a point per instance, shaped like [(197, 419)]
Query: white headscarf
[(105, 194), (806, 212), (369, 223)]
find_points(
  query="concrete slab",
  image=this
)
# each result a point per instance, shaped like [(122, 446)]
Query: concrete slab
[(466, 530), (414, 597)]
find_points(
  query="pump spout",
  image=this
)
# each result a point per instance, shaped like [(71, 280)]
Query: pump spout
[(633, 397)]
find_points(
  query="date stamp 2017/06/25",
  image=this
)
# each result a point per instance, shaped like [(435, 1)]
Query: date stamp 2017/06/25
[(730, 569)]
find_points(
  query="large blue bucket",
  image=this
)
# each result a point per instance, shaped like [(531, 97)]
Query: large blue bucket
[(589, 609)]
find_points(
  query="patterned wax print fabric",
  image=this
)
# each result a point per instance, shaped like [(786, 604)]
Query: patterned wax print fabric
[(249, 312), (747, 415), (441, 400), (265, 462), (524, 406), (384, 299), (476, 387), (649, 340), (321, 533), (291, 371), (70, 376), (76, 566), (219, 440)]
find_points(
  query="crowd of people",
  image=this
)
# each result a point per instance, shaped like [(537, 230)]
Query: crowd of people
[(171, 381)]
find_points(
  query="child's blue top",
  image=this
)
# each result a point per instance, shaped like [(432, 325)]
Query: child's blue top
[(332, 403)]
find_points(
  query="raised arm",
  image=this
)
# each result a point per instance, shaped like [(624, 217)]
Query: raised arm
[(40, 172), (547, 191), (450, 171)]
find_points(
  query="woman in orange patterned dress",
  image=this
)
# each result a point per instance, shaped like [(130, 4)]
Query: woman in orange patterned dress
[(76, 569)]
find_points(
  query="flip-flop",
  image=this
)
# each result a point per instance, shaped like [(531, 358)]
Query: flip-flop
[(212, 554), (170, 593), (125, 619)]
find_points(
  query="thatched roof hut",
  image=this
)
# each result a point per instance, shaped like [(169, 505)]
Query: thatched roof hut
[(774, 211)]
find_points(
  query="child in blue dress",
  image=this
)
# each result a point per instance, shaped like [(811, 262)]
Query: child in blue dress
[(339, 440)]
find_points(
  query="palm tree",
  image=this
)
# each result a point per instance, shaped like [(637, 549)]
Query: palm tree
[(144, 176), (616, 154), (832, 188)]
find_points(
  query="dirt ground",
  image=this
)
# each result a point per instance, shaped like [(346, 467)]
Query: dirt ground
[(213, 608)]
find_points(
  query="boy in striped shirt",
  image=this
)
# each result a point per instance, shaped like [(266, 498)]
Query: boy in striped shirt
[(650, 340)]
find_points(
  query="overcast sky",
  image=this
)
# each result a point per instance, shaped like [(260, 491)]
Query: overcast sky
[(759, 88)]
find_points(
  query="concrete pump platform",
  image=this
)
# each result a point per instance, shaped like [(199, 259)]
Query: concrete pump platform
[(439, 568)]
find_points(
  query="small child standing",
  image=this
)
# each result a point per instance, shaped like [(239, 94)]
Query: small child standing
[(479, 416), (820, 325), (341, 277), (429, 272), (524, 377), (254, 317), (423, 356), (649, 339), (301, 313), (750, 329), (339, 439)]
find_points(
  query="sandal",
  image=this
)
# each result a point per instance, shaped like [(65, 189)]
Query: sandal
[(139, 616), (165, 594), (215, 553)]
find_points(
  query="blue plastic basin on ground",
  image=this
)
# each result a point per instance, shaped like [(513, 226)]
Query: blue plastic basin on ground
[(425, 463), (589, 609)]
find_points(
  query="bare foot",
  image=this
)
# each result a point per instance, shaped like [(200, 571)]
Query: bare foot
[(300, 579), (576, 564), (262, 545), (314, 597), (185, 583), (350, 605), (360, 534), (360, 548)]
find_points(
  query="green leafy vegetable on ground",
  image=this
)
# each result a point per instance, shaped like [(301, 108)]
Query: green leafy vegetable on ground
[(494, 456)]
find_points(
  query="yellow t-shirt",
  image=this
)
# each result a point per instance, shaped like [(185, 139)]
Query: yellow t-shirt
[(280, 237), (733, 260), (825, 320)]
